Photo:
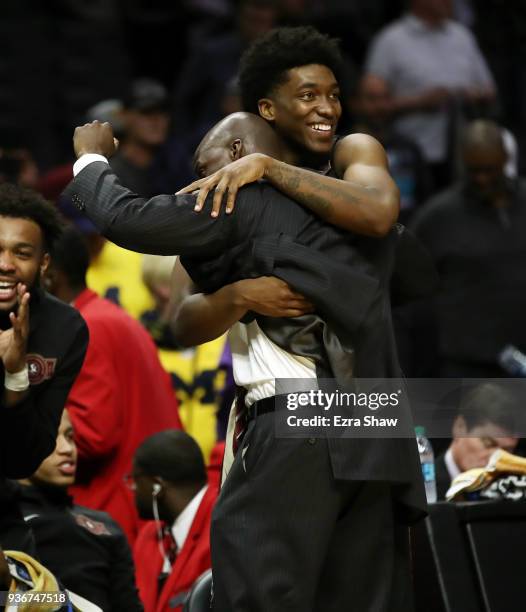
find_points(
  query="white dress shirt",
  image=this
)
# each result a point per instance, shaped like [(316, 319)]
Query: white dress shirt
[(85, 160), (183, 522)]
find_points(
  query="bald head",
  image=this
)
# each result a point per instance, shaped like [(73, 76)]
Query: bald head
[(484, 157), (485, 135), (233, 137)]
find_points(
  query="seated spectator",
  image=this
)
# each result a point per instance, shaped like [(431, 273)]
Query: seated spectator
[(38, 364), (170, 483), (148, 161), (85, 549), (431, 64), (474, 231), (484, 423), (122, 394), (408, 168)]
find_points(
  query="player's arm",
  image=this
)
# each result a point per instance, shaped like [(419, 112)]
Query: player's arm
[(365, 199), (201, 317)]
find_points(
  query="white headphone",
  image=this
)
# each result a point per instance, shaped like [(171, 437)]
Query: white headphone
[(156, 489)]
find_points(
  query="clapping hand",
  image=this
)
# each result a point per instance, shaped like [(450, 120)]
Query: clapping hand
[(13, 342)]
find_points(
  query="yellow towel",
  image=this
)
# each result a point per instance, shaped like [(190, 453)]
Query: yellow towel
[(500, 462), (43, 581)]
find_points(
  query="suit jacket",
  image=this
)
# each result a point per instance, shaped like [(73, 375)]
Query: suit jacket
[(346, 276), (190, 563)]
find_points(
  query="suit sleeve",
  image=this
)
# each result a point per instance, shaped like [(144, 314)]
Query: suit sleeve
[(162, 225), (29, 428), (95, 404)]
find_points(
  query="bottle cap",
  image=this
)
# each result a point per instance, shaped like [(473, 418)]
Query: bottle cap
[(420, 431)]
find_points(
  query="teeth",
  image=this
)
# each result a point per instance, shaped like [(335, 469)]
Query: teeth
[(322, 127), (6, 285)]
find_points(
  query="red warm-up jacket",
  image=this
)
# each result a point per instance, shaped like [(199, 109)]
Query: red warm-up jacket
[(121, 396), (190, 563)]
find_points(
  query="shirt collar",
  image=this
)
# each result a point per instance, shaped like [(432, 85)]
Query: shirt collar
[(452, 467), (183, 522)]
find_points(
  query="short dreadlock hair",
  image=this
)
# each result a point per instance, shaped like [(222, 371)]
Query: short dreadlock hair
[(264, 65), (21, 203)]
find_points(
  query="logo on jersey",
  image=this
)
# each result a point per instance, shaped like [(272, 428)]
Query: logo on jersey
[(95, 527), (40, 368)]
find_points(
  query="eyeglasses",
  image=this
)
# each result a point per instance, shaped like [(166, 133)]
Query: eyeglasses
[(129, 481)]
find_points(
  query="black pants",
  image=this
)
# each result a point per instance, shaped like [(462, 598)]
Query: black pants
[(287, 537)]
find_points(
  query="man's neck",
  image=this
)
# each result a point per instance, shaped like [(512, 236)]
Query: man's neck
[(429, 20), (302, 159), (69, 294)]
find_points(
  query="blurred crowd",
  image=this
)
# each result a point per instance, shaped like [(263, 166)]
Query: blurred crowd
[(440, 83)]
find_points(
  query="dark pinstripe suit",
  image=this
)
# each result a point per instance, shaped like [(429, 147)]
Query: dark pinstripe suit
[(347, 277)]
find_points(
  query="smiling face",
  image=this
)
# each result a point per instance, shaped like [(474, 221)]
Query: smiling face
[(305, 109), (59, 468), (22, 257)]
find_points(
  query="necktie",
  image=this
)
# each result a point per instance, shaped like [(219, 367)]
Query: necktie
[(241, 418), (170, 551)]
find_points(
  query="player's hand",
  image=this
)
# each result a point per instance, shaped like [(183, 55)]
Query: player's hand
[(95, 137), (13, 342), (227, 181), (272, 297)]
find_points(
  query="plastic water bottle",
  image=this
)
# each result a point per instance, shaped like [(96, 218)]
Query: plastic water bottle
[(427, 459)]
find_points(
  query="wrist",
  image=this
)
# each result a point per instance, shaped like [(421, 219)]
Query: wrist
[(268, 165), (17, 379), (239, 295), (92, 151)]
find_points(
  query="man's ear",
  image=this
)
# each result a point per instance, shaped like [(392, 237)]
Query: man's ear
[(236, 149), (266, 109), (49, 279), (44, 264)]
